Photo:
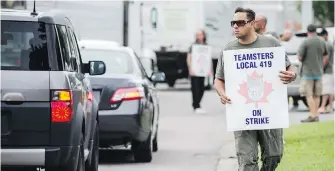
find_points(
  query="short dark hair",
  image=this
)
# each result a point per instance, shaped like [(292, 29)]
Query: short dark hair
[(250, 13), (324, 32), (311, 28)]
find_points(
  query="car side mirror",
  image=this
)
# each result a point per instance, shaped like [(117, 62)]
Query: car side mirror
[(95, 68), (157, 77)]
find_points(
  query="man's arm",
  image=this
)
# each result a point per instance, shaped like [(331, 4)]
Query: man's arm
[(220, 86), (219, 82), (325, 58), (188, 61), (301, 51)]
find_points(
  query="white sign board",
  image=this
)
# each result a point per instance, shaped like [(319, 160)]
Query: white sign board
[(201, 60), (258, 97)]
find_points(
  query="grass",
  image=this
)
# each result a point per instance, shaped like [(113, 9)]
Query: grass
[(309, 147)]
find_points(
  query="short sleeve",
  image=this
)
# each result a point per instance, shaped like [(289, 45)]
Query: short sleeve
[(220, 68)]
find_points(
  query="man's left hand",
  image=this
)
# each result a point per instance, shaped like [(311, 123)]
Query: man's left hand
[(287, 76)]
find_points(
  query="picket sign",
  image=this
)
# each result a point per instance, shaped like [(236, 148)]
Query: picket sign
[(201, 60), (259, 98)]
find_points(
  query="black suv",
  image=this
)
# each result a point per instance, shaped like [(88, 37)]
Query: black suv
[(48, 114)]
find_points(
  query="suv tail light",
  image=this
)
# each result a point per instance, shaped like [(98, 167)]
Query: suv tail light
[(61, 106), (124, 94)]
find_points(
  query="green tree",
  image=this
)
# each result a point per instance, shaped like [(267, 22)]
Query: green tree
[(323, 11)]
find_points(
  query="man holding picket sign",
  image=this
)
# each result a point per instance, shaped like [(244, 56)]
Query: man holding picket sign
[(250, 79)]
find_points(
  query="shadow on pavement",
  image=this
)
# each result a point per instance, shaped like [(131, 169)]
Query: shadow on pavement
[(116, 157)]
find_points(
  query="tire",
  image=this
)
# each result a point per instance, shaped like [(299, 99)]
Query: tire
[(155, 143), (305, 101), (94, 164), (208, 87), (81, 157), (171, 83), (142, 150), (81, 160)]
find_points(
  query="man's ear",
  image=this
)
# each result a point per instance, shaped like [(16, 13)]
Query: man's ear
[(252, 23)]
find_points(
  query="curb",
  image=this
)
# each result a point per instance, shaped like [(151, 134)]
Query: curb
[(227, 154)]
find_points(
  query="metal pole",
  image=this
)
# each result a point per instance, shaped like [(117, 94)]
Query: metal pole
[(125, 22), (141, 25)]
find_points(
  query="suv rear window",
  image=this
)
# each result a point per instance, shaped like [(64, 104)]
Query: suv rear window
[(24, 46)]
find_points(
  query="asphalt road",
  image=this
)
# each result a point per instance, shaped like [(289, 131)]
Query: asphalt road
[(188, 141)]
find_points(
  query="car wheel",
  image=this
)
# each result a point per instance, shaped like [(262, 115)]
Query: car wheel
[(142, 150), (155, 143), (305, 101), (80, 165), (81, 157), (171, 83), (94, 164), (208, 87)]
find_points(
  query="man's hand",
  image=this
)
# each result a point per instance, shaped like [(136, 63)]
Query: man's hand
[(225, 99), (287, 76), (190, 72)]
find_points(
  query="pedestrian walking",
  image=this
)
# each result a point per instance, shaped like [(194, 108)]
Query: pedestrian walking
[(327, 78), (246, 141), (197, 83), (313, 56)]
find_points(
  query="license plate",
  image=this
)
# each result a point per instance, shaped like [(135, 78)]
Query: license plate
[(96, 95), (5, 128)]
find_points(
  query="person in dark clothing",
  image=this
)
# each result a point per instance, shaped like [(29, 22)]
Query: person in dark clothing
[(197, 83)]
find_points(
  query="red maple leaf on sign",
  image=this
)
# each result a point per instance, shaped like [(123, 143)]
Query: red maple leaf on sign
[(255, 90)]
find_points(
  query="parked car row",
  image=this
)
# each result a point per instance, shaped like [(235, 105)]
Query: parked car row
[(128, 102), (62, 100)]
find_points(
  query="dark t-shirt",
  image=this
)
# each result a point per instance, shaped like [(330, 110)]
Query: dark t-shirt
[(261, 42), (312, 51), (329, 66)]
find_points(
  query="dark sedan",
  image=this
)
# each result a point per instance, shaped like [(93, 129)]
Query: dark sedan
[(128, 103)]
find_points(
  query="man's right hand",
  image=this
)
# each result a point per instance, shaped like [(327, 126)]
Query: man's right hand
[(225, 99), (190, 72)]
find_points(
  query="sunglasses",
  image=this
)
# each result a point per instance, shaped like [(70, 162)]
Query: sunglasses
[(239, 23)]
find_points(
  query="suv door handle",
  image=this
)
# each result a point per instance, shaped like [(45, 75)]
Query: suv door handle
[(13, 98)]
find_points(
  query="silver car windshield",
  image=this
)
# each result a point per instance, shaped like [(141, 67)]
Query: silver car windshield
[(117, 62)]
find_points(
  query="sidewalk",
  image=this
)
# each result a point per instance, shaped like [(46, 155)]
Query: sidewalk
[(228, 160)]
